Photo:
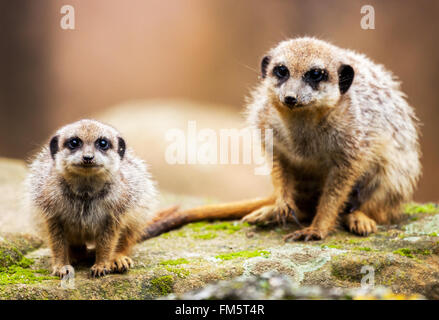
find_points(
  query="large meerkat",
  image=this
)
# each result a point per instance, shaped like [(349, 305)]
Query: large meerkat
[(89, 188), (345, 142)]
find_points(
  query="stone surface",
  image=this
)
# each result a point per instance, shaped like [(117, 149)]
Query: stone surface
[(275, 286), (14, 214), (403, 258)]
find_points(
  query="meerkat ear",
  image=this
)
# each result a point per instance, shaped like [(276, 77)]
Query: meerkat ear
[(54, 147), (264, 64), (345, 77), (121, 147)]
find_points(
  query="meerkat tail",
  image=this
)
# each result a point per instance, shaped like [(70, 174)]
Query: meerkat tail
[(226, 211), (172, 218), (163, 221)]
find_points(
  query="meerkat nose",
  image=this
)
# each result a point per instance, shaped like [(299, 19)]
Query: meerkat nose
[(88, 158), (290, 101)]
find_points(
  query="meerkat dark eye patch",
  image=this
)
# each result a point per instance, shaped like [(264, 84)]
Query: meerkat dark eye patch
[(281, 73), (73, 143), (314, 76), (345, 77), (264, 64), (121, 147), (53, 145), (103, 144)]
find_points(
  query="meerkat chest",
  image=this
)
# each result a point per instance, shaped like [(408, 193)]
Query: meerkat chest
[(85, 216), (310, 142)]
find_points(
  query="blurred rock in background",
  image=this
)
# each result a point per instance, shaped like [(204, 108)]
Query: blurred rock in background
[(202, 51)]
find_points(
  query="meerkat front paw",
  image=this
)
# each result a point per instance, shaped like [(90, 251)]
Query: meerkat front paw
[(306, 234), (100, 269), (357, 222), (61, 270), (122, 263)]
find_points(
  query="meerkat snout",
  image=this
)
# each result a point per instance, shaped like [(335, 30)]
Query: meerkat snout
[(88, 159), (290, 101)]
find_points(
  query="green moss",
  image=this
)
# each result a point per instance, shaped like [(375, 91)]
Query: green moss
[(196, 226), (355, 241), (21, 273), (433, 234), (174, 262), (425, 252), (228, 227), (171, 234), (180, 272), (15, 267), (342, 241), (25, 262), (243, 254), (13, 247), (333, 246), (410, 253), (166, 235), (405, 252), (415, 208), (9, 255), (363, 248), (205, 230), (163, 285), (180, 233), (205, 236)]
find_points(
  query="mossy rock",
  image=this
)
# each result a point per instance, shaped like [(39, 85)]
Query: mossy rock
[(14, 246), (404, 258)]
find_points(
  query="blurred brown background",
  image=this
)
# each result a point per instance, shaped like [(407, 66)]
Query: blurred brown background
[(203, 51)]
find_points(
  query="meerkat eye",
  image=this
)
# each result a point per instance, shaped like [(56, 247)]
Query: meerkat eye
[(281, 72), (103, 144), (316, 75), (74, 143)]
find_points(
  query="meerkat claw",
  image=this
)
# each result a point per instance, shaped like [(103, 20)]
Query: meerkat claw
[(122, 264), (305, 234), (61, 270)]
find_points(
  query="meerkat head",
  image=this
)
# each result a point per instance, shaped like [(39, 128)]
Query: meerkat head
[(87, 148), (306, 72)]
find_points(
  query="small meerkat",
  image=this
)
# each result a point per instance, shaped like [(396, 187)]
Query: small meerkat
[(89, 188), (345, 142)]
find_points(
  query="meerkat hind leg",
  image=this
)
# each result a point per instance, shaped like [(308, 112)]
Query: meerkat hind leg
[(279, 213), (263, 216), (359, 223)]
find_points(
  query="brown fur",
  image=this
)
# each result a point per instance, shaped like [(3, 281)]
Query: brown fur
[(106, 204), (348, 148)]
